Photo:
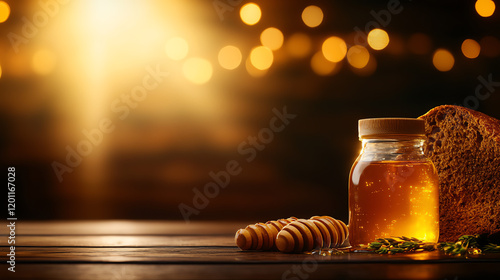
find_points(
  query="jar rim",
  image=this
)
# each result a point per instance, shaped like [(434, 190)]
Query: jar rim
[(394, 137)]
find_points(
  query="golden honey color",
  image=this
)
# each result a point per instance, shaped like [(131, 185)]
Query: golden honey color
[(393, 198)]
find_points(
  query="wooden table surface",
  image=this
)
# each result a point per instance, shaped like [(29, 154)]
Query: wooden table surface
[(202, 250)]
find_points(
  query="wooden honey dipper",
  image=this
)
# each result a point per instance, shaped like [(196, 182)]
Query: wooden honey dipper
[(260, 236), (305, 235)]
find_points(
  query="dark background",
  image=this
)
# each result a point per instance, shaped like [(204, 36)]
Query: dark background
[(153, 160)]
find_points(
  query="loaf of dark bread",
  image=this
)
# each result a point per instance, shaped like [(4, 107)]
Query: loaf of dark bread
[(464, 145)]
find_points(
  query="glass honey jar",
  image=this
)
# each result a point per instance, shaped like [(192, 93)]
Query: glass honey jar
[(393, 186)]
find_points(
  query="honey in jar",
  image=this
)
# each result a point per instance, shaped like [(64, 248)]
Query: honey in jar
[(393, 186)]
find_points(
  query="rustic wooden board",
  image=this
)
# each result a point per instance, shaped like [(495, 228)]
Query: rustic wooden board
[(120, 240), (217, 255), (124, 227), (441, 271), (203, 250)]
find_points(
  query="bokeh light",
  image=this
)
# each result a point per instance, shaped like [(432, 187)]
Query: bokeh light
[(197, 70), (250, 13), (470, 48), (229, 57), (4, 11), (334, 49), (0, 71), (490, 46), (420, 43), (176, 48), (261, 57), (254, 72), (272, 38), (368, 70), (312, 16), (358, 56), (378, 39), (298, 45), (485, 8), (43, 62), (443, 60), (322, 66)]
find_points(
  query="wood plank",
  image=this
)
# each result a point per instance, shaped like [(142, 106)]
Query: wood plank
[(253, 271), (218, 255), (119, 241), (124, 227)]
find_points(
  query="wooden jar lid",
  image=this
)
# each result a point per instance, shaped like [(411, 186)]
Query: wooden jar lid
[(390, 127)]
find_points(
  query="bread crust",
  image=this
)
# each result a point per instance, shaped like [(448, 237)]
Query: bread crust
[(491, 124), (464, 145)]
